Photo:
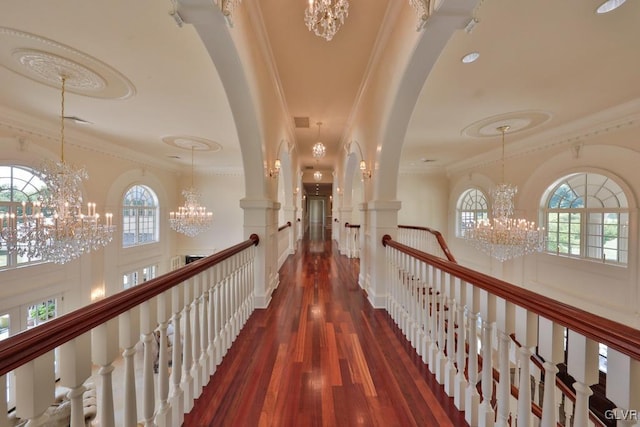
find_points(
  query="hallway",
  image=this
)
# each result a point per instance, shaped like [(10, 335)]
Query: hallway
[(320, 355)]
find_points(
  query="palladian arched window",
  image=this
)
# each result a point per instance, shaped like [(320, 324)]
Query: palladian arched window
[(587, 216), (18, 184), (472, 207), (139, 216)]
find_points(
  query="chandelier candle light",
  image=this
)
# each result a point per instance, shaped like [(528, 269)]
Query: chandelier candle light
[(191, 219), (325, 17), (54, 228), (504, 237), (318, 150)]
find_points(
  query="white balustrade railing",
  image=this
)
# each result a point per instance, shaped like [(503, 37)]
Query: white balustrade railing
[(424, 239), (352, 240), (178, 326), (482, 337)]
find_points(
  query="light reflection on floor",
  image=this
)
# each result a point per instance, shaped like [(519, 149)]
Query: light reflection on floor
[(316, 238)]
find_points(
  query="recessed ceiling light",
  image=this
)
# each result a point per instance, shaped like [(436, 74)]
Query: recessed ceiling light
[(78, 120), (609, 5), (470, 57)]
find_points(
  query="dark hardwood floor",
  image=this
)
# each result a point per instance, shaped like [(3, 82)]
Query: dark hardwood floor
[(320, 355)]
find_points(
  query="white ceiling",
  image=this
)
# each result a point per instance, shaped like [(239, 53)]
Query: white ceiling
[(547, 61)]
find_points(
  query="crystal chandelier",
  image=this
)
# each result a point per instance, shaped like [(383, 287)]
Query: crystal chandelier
[(54, 228), (191, 219), (318, 150), (504, 237), (325, 17), (317, 175), (423, 9)]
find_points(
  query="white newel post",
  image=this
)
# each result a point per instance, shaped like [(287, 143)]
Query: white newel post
[(527, 336), (104, 349), (260, 218), (147, 328), (177, 400), (345, 217), (35, 383), (472, 403), (187, 359), (382, 219), (551, 349), (129, 330), (505, 325), (488, 315), (164, 416), (75, 368), (623, 386), (461, 384), (583, 366)]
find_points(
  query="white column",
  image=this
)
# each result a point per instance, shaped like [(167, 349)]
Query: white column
[(104, 350)]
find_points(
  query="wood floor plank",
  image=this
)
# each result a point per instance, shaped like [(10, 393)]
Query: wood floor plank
[(320, 355)]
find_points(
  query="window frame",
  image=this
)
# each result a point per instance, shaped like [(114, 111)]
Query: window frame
[(472, 201), (152, 211), (579, 209)]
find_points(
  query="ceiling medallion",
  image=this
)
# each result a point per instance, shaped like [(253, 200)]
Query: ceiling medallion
[(517, 121), (188, 142), (44, 61), (325, 17)]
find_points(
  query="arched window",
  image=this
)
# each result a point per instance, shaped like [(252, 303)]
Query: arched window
[(587, 217), (17, 184), (472, 207), (139, 216)]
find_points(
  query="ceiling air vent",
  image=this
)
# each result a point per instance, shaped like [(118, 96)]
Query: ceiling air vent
[(308, 167), (301, 122)]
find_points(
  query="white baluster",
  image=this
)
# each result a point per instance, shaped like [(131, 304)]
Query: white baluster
[(551, 349), (129, 330), (461, 384), (505, 325), (35, 382), (195, 341), (147, 327), (177, 401), (204, 329), (472, 396), (217, 315), (187, 358), (104, 350), (623, 386), (488, 313), (450, 357), (163, 415), (583, 366), (211, 329), (75, 368), (527, 336), (424, 313), (433, 321), (441, 359)]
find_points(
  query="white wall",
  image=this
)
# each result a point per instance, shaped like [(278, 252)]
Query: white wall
[(424, 200)]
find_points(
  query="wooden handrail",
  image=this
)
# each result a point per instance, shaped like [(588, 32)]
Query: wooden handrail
[(28, 345), (282, 227), (347, 225), (438, 236), (618, 336)]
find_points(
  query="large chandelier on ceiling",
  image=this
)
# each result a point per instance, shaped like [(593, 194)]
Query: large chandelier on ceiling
[(503, 236), (318, 150), (191, 219), (317, 175), (55, 228), (325, 17)]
